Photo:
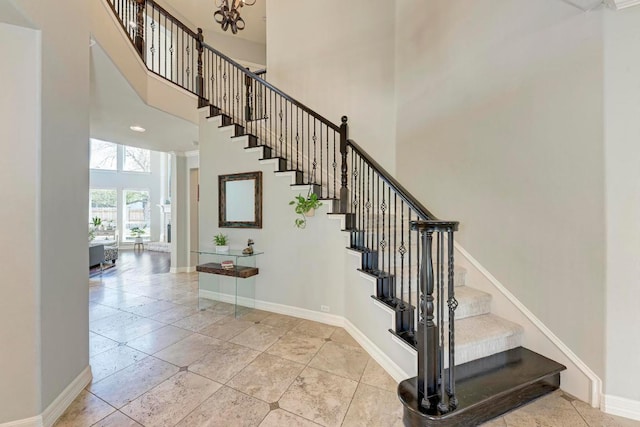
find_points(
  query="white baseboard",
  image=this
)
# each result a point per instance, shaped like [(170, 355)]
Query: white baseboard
[(182, 269), (330, 319), (58, 406), (596, 382), (68, 395), (397, 373), (27, 422), (621, 406), (303, 313)]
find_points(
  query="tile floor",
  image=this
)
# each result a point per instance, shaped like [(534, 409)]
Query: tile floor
[(159, 361)]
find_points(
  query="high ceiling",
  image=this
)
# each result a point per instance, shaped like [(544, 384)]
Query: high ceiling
[(115, 106), (200, 13)]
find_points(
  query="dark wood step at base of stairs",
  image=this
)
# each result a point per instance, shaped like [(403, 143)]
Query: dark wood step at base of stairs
[(253, 140), (486, 388)]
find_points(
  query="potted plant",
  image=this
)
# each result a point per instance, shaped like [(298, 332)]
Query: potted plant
[(305, 207), (96, 221), (137, 232), (222, 243)]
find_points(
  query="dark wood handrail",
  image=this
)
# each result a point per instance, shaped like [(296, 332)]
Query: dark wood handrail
[(411, 201), (172, 18), (254, 76)]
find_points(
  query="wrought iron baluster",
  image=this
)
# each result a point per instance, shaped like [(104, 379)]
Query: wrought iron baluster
[(442, 406), (453, 305)]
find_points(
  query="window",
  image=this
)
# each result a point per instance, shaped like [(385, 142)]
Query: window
[(103, 205), (137, 213), (104, 155), (136, 160)]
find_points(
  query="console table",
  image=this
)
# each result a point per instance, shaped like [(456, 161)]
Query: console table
[(233, 286)]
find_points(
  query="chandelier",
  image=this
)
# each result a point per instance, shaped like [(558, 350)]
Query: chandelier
[(229, 14)]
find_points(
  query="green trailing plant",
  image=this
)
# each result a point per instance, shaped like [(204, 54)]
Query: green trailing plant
[(220, 239), (137, 231), (92, 234), (302, 207)]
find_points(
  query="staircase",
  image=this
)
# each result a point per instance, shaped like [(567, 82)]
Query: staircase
[(471, 364)]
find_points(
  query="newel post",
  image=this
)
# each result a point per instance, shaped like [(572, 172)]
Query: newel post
[(436, 388), (200, 76), (139, 38), (344, 192)]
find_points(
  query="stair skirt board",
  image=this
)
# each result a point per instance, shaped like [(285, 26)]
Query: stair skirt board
[(578, 377)]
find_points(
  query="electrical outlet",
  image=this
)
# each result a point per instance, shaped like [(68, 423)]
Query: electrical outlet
[(325, 308)]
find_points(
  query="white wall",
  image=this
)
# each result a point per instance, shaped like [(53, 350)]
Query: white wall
[(337, 58), (499, 126), (55, 183), (180, 252), (19, 258), (622, 154), (300, 268), (119, 181)]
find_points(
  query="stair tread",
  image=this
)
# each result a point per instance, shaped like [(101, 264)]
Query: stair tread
[(488, 387), (486, 327)]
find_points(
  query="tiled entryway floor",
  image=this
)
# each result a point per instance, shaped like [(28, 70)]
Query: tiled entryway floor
[(159, 361)]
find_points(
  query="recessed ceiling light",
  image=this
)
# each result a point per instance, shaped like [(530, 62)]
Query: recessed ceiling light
[(137, 128)]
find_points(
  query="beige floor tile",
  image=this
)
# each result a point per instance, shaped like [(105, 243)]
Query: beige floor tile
[(498, 422), (221, 308), (596, 418), (130, 383), (373, 407), (315, 329), (166, 404), (281, 321), (150, 308), (125, 326), (113, 323), (376, 376), (187, 351), (258, 337), (84, 411), (227, 408), (226, 328), (282, 418), (223, 361), (99, 311), (159, 339), (320, 396), (341, 336), (296, 347), (99, 344), (267, 377), (112, 361), (548, 411), (340, 359), (252, 314), (198, 321), (117, 419), (175, 314)]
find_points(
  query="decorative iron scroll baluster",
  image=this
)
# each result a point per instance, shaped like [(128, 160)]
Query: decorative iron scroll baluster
[(344, 192), (200, 78), (139, 38)]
